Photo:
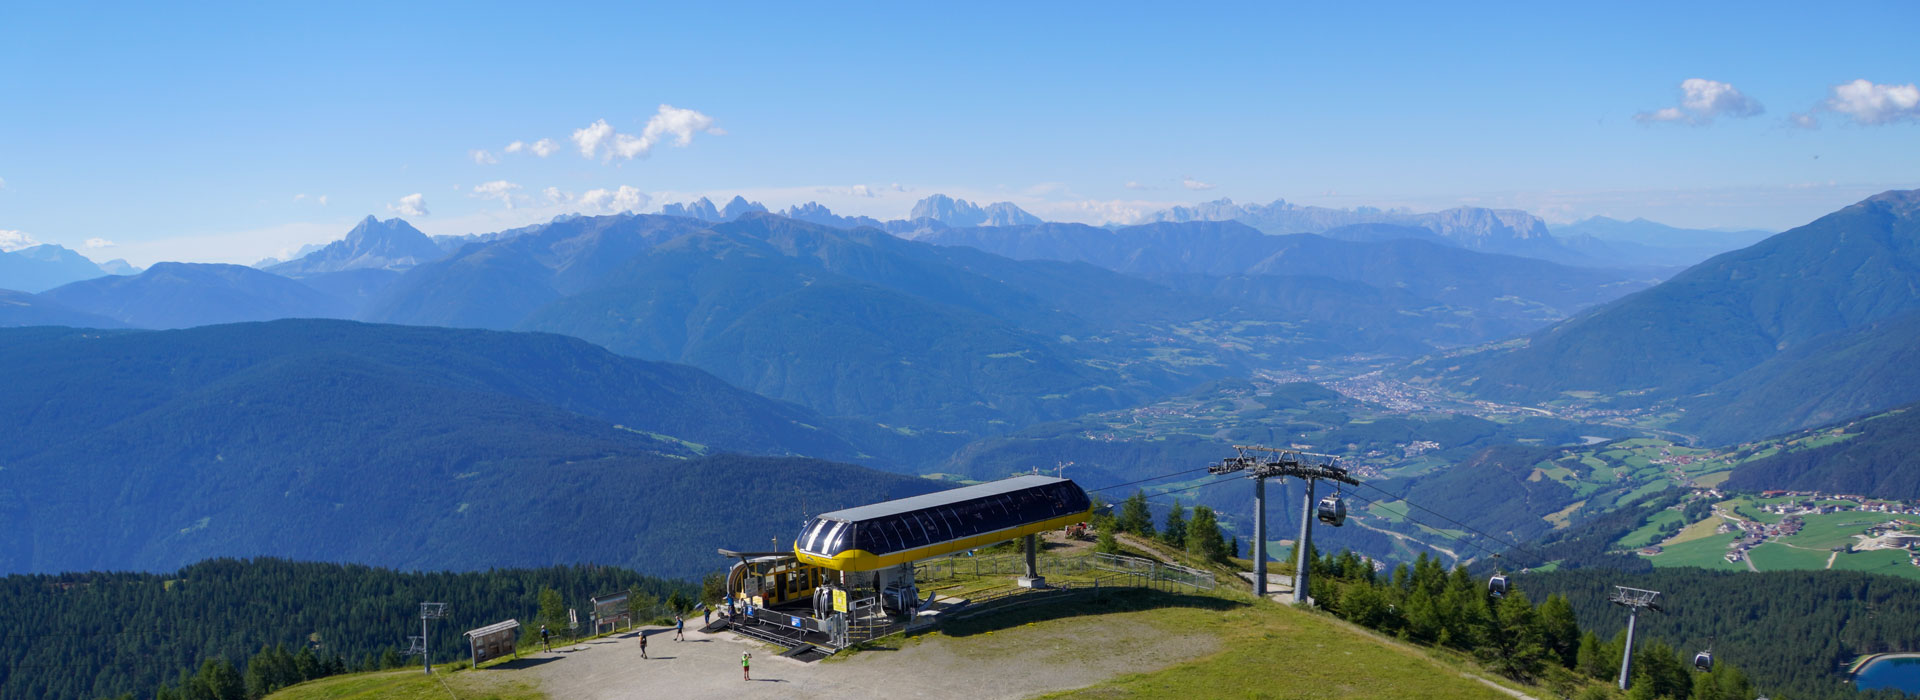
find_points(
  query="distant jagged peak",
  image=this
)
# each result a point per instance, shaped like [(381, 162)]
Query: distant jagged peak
[(701, 209), (817, 213), (959, 212), (392, 244), (705, 210), (739, 206)]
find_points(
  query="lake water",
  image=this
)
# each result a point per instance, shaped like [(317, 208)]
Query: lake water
[(1899, 674)]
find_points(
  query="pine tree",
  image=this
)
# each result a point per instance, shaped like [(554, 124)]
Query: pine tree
[(553, 610), (1135, 516), (1107, 544), (1175, 532), (1592, 658), (1203, 536), (1560, 631), (1510, 642)]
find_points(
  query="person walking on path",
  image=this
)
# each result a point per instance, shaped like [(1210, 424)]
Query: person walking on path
[(546, 638), (643, 644), (746, 665), (679, 629), (706, 617)]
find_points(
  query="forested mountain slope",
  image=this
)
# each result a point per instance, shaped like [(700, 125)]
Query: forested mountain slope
[(411, 447), (1725, 316), (1876, 459), (138, 630)]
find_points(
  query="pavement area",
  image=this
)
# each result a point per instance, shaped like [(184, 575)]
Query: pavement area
[(1014, 662)]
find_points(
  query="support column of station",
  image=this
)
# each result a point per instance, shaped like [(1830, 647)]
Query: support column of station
[(1303, 549), (1033, 579), (1259, 536)]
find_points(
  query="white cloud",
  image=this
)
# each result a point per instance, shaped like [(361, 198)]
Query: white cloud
[(411, 205), (555, 196), (1804, 120), (1871, 103), (1137, 185), (97, 243), (589, 137), (299, 197), (681, 123), (515, 147), (322, 200), (1701, 101), (498, 189), (3, 183), (544, 147), (482, 157), (612, 201), (1193, 184), (15, 240), (670, 121)]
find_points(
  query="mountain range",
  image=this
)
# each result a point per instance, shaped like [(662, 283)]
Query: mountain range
[(42, 267), (409, 447), (1779, 333), (182, 295), (1450, 294)]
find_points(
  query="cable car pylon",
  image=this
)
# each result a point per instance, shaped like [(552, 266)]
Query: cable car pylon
[(1267, 462), (1634, 600)]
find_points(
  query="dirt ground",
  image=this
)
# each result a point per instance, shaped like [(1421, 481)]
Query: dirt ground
[(1012, 662)]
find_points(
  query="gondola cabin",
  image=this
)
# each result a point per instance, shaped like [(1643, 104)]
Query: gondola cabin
[(1333, 511), (1703, 661), (883, 535), (1497, 586)]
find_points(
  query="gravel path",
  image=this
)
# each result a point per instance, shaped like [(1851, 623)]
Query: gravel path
[(1015, 662)]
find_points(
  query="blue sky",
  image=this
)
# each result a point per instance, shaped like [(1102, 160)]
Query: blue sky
[(211, 132)]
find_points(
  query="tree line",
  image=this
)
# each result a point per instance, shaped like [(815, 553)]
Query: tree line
[(1425, 603), (248, 626)]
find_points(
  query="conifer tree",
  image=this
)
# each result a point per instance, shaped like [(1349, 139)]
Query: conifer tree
[(1175, 531)]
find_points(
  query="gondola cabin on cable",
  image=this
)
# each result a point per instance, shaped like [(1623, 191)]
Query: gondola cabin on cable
[(1333, 511), (1497, 586), (1703, 660)]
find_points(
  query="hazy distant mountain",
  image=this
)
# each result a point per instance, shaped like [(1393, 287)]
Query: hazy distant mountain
[(414, 447), (1507, 286), (1643, 242), (42, 267), (393, 244), (181, 295), (1845, 271), (22, 309), (960, 212), (1653, 233), (119, 266), (1492, 230), (1375, 233)]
